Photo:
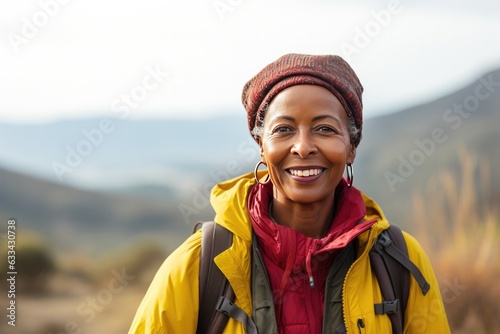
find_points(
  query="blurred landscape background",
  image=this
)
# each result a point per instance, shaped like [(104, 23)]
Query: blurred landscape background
[(98, 213)]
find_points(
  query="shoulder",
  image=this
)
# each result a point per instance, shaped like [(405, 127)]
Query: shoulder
[(171, 301), (418, 255), (415, 250), (185, 260)]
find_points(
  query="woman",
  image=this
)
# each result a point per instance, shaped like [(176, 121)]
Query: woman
[(305, 112)]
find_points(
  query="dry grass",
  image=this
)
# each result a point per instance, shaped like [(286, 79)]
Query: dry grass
[(85, 296), (461, 235), (57, 314)]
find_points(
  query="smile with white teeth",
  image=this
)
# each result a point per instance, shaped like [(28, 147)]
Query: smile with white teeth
[(306, 172)]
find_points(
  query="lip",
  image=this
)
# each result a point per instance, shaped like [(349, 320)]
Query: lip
[(305, 179)]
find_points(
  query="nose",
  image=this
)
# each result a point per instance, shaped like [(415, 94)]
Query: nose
[(304, 145)]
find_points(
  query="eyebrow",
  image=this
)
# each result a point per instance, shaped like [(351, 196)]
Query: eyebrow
[(320, 117), (317, 118)]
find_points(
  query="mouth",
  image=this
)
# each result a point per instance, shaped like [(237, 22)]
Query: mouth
[(305, 172)]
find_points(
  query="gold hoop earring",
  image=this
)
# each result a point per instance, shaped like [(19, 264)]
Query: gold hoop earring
[(350, 175), (257, 169)]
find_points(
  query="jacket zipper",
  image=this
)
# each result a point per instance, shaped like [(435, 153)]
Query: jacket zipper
[(364, 254)]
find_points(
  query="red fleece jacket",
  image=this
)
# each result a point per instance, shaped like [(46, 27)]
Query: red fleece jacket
[(298, 265)]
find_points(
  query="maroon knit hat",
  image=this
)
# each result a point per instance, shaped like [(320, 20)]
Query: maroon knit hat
[(328, 71)]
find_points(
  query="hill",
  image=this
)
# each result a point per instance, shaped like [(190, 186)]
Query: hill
[(87, 222), (402, 151)]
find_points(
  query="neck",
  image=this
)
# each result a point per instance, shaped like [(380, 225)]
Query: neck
[(313, 220)]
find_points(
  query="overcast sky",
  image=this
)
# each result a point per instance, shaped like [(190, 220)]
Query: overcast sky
[(158, 58)]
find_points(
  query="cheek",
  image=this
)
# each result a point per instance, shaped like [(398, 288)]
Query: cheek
[(338, 150), (337, 153), (274, 155), (273, 151), (273, 160)]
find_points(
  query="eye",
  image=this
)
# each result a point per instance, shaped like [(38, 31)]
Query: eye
[(326, 129), (282, 129)]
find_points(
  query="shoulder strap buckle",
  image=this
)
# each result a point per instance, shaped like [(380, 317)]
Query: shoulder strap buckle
[(387, 307), (384, 239), (230, 309), (224, 305)]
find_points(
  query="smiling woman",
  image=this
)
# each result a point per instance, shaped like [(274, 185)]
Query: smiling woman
[(300, 260), (306, 145)]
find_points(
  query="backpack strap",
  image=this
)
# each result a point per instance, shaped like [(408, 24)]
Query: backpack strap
[(392, 267), (398, 251), (212, 283), (215, 293)]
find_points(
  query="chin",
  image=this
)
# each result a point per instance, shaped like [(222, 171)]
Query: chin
[(309, 196)]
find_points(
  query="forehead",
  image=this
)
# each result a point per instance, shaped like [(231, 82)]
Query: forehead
[(307, 100)]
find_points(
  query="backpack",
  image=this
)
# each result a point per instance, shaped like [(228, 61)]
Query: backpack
[(388, 257)]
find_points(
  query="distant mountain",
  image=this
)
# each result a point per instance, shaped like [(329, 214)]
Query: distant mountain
[(401, 151), (88, 221), (152, 177), (108, 153)]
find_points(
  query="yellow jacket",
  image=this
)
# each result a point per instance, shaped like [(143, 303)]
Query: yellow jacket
[(171, 302)]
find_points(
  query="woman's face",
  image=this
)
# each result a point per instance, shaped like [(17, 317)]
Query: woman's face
[(305, 143)]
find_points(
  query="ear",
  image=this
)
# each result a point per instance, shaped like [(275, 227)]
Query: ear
[(351, 155), (261, 149)]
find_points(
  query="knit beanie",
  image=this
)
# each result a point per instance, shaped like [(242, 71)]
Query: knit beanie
[(328, 71)]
